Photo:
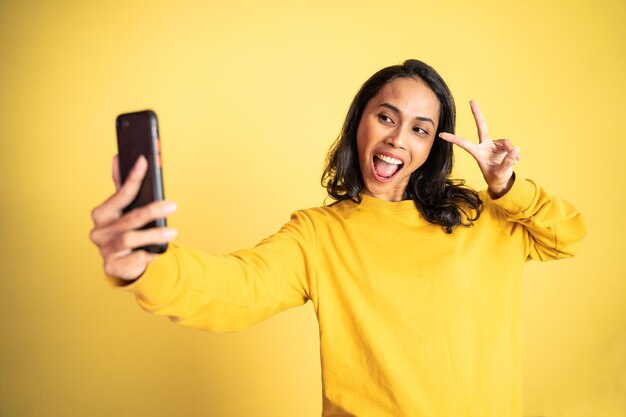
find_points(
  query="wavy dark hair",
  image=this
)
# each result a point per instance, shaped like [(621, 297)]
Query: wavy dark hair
[(440, 199)]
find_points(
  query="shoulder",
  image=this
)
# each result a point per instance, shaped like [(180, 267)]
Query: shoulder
[(326, 213), (329, 217)]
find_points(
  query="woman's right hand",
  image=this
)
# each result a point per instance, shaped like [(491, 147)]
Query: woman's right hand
[(116, 233)]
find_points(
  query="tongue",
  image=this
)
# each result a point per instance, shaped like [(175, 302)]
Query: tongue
[(384, 169)]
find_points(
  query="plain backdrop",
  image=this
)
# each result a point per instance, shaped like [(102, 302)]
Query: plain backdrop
[(250, 95)]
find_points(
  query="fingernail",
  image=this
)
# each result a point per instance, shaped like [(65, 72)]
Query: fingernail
[(169, 233), (169, 207)]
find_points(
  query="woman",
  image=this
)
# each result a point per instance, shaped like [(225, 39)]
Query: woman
[(415, 279)]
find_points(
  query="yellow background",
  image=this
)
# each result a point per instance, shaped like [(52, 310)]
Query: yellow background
[(250, 96)]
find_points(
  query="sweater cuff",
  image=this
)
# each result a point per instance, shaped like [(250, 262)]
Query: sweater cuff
[(519, 198), (157, 282)]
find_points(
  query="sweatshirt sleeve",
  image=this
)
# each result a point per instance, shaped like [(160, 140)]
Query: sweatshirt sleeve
[(231, 292), (553, 228)]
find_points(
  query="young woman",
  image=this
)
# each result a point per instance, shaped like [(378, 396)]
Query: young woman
[(415, 278)]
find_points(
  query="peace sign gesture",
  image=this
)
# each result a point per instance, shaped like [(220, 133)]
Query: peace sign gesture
[(495, 157)]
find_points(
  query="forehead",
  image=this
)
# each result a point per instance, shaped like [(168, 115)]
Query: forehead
[(411, 96)]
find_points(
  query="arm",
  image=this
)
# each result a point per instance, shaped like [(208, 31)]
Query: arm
[(193, 288), (553, 228), (230, 292)]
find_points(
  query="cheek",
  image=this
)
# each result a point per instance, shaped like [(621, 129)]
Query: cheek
[(361, 144), (359, 148), (420, 153)]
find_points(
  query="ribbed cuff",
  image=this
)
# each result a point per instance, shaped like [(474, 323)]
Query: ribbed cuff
[(519, 198), (158, 280)]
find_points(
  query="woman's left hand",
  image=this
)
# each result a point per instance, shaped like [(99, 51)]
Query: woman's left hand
[(495, 157)]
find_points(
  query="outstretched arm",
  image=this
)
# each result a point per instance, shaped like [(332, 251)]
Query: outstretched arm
[(193, 288), (231, 292)]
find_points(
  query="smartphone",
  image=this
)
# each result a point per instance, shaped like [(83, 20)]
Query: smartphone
[(138, 134)]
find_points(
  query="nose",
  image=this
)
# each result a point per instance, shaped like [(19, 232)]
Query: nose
[(397, 138)]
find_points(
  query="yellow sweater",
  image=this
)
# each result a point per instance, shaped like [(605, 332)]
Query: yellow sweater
[(413, 322)]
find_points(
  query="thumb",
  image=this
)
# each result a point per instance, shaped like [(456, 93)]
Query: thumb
[(511, 158), (116, 172)]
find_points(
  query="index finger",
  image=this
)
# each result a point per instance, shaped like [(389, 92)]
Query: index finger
[(481, 125), (459, 141)]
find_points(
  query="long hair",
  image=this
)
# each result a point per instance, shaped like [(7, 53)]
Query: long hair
[(440, 199)]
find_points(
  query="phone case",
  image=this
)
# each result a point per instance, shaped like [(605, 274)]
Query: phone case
[(138, 134)]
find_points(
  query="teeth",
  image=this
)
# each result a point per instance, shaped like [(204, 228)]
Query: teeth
[(389, 159)]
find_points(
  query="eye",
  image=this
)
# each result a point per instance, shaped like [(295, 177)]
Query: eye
[(384, 118), (420, 131)]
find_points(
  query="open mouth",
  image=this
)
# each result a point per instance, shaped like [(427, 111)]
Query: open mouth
[(386, 167)]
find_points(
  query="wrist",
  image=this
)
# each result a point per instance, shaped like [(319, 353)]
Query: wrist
[(498, 191)]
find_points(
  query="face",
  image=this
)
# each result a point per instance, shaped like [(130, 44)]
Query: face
[(395, 135)]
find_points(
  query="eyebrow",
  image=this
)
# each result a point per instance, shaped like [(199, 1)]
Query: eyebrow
[(397, 111)]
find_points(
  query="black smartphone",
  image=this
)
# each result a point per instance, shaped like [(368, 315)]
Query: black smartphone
[(138, 134)]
